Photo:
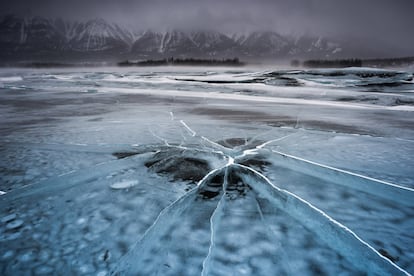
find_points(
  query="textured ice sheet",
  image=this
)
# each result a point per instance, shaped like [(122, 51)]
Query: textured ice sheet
[(104, 176)]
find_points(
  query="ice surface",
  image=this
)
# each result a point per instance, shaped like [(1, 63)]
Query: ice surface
[(125, 184), (11, 79), (192, 172)]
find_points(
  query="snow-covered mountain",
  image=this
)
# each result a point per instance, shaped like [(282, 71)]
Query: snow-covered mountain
[(213, 43), (28, 35), (315, 47), (97, 35), (184, 44), (171, 43), (39, 37), (264, 44), (46, 39)]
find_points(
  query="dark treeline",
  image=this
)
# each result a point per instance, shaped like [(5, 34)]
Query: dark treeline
[(336, 63), (340, 63), (384, 62), (53, 64), (185, 61)]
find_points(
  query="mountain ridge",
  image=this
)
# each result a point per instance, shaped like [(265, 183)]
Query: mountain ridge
[(44, 39)]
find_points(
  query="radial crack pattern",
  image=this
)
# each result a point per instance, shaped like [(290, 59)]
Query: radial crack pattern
[(219, 207), (244, 160)]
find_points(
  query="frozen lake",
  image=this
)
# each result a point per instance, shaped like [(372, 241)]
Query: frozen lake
[(217, 171)]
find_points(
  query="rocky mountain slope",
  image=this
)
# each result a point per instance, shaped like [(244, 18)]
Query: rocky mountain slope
[(45, 39)]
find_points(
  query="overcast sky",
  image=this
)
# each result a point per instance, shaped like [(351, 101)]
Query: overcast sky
[(389, 21)]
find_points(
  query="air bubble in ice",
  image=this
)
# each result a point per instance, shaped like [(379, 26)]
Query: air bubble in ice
[(7, 255), (102, 273), (124, 184), (14, 224), (43, 270), (27, 256), (85, 269), (8, 218), (81, 221)]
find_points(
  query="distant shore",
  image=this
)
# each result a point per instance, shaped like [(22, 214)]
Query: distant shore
[(233, 62), (184, 62), (353, 62)]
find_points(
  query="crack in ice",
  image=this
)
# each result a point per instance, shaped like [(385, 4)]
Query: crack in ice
[(334, 234), (385, 189), (255, 150), (159, 138), (193, 133), (214, 221), (347, 239), (359, 255)]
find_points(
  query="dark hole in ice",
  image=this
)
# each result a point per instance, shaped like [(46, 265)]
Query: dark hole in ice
[(387, 255), (187, 169), (121, 155), (232, 142), (163, 156), (236, 188), (180, 168), (209, 194), (217, 181), (239, 142), (258, 163), (212, 188)]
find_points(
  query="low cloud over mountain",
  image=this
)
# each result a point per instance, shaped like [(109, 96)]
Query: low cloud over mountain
[(44, 39)]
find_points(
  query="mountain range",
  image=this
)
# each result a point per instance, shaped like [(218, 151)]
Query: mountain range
[(44, 39)]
